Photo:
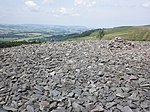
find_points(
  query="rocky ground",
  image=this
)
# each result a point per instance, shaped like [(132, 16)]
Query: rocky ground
[(85, 76)]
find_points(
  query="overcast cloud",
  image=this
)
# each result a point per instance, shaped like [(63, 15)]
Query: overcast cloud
[(93, 13)]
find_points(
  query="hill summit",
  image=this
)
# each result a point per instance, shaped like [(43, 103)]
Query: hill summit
[(75, 76)]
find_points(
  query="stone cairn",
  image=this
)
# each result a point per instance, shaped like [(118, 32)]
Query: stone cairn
[(120, 42)]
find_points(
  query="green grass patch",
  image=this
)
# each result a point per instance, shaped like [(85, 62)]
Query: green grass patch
[(132, 33), (7, 39), (82, 38)]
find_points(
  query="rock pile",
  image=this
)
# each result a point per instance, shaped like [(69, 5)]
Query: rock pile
[(83, 76), (120, 42)]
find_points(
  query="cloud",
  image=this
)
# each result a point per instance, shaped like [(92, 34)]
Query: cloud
[(3, 15), (146, 5), (65, 11), (85, 3), (31, 5), (47, 1)]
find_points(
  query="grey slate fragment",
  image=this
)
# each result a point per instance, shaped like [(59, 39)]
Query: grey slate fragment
[(77, 107), (144, 105), (127, 109), (98, 108), (134, 97), (145, 85), (43, 105), (2, 110), (30, 108), (53, 105), (9, 108), (110, 104), (120, 107)]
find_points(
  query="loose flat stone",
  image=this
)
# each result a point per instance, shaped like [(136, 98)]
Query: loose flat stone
[(141, 80), (2, 110), (67, 54), (133, 106), (47, 58), (132, 77), (134, 97), (2, 102), (71, 94), (144, 105), (53, 105), (92, 90), (25, 87), (129, 71), (121, 95), (2, 85), (125, 89), (53, 73), (30, 108), (115, 110), (39, 88), (110, 104), (77, 107), (120, 107), (1, 98), (55, 93), (98, 108), (59, 109), (145, 85), (43, 105), (127, 109), (46, 88), (100, 73), (14, 104), (89, 106), (9, 108), (110, 98)]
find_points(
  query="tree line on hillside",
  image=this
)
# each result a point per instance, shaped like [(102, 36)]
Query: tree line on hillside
[(12, 36), (100, 34)]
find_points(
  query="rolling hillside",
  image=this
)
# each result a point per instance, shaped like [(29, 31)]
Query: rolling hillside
[(134, 33), (35, 32)]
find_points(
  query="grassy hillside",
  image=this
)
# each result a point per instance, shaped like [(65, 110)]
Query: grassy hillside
[(134, 33)]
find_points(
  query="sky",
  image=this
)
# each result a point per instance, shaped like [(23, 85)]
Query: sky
[(90, 13)]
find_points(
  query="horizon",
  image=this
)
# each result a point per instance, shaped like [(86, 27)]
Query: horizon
[(88, 13), (79, 25)]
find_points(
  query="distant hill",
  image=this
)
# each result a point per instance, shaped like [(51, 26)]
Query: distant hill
[(37, 28), (35, 32), (135, 33), (41, 33)]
